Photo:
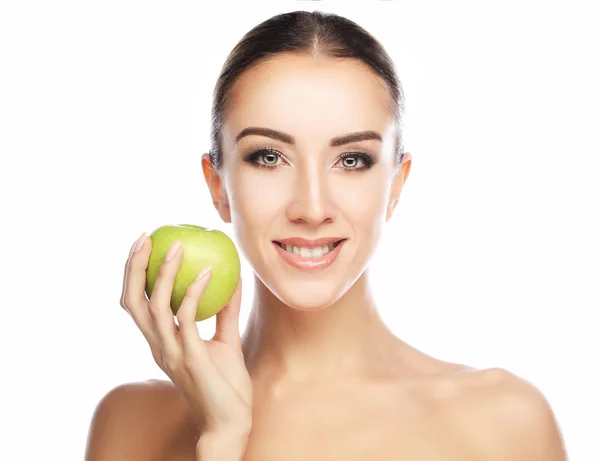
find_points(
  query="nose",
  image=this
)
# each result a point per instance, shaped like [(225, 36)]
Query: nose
[(311, 201)]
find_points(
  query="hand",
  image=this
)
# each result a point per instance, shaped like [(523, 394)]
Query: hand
[(211, 375)]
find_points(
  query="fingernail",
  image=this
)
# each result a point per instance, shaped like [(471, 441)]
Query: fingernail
[(140, 242), (172, 250), (203, 273)]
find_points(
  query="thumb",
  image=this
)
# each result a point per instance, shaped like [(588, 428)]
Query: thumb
[(228, 330)]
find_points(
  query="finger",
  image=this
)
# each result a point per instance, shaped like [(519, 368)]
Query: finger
[(125, 271), (134, 299), (193, 346), (160, 304), (135, 274), (228, 330)]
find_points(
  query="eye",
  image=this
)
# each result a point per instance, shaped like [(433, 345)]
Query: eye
[(268, 156), (350, 160)]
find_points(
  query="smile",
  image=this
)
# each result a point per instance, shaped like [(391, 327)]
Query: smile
[(305, 252), (310, 259)]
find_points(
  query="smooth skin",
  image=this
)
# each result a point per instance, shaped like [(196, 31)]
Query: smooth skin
[(318, 370)]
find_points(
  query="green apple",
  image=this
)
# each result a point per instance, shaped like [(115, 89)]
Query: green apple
[(201, 247)]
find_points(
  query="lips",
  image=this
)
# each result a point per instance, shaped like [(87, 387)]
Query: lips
[(310, 264), (306, 243), (282, 244)]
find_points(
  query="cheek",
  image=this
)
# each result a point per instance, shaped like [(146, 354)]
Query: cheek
[(362, 199), (364, 202), (256, 199), (260, 194)]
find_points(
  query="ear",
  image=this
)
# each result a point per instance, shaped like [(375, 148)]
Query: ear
[(217, 191), (398, 183)]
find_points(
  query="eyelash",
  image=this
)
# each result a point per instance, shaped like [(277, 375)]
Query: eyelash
[(253, 157)]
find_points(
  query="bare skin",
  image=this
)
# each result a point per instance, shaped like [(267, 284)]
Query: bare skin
[(453, 412), (330, 381)]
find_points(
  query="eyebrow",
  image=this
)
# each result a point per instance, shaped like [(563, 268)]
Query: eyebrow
[(289, 139)]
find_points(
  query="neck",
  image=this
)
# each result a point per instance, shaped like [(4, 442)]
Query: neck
[(346, 338)]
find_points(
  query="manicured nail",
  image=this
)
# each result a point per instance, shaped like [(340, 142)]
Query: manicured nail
[(140, 242), (172, 250), (203, 273)]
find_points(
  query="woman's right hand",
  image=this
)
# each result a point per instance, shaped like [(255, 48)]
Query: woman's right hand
[(211, 375)]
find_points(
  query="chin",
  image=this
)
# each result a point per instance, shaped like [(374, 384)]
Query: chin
[(307, 294), (303, 300)]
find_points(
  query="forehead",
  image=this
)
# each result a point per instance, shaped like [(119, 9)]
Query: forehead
[(302, 95)]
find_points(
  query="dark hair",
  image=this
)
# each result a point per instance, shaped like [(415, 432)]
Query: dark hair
[(316, 33)]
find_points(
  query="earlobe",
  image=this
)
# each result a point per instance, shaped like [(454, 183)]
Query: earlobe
[(398, 183), (215, 187), (390, 210), (224, 212), (405, 167)]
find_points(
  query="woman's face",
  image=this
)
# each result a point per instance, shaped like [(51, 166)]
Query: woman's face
[(275, 189)]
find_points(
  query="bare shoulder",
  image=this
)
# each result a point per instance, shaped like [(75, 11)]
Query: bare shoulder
[(504, 416), (140, 420)]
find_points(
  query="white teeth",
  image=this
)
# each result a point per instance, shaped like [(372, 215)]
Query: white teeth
[(316, 252)]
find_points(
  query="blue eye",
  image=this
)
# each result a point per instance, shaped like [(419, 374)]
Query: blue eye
[(269, 158)]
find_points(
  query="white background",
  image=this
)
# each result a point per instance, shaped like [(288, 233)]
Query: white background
[(492, 257)]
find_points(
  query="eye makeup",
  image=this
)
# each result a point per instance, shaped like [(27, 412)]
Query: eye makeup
[(265, 152)]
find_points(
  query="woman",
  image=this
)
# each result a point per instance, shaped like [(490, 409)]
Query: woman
[(307, 163)]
